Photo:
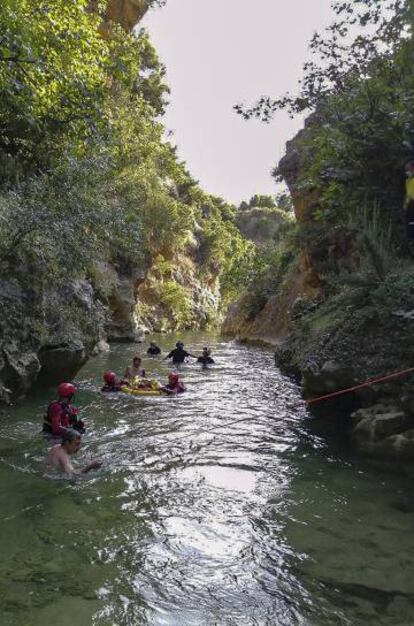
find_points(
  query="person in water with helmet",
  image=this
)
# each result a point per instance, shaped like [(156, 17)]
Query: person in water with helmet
[(112, 383), (153, 349), (173, 387), (135, 370), (61, 414), (178, 355), (205, 359), (59, 455)]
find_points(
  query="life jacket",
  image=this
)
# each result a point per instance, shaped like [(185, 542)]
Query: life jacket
[(175, 389), (59, 416), (110, 388)]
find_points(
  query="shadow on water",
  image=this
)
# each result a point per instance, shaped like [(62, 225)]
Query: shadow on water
[(228, 506)]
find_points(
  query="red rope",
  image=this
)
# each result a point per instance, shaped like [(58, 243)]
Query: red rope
[(370, 381)]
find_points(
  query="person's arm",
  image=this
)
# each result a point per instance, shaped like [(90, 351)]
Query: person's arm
[(67, 467), (169, 356), (95, 464)]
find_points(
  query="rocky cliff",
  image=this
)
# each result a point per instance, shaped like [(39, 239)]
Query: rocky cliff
[(127, 13), (51, 324), (331, 338), (260, 225)]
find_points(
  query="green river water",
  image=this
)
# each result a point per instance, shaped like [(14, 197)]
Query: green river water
[(256, 523)]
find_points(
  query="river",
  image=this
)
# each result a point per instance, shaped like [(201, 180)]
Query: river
[(196, 517)]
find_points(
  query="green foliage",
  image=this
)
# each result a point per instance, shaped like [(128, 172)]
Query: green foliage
[(57, 223), (86, 176), (360, 34), (258, 201), (177, 301), (53, 71)]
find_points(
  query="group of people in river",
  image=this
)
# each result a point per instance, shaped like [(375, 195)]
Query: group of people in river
[(62, 417)]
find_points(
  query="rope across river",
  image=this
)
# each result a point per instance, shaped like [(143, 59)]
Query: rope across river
[(367, 383)]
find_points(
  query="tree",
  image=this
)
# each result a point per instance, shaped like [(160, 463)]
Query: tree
[(53, 73), (258, 201), (362, 31)]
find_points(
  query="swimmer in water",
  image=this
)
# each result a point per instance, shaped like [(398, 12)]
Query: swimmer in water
[(174, 387), (153, 349), (205, 359), (59, 455), (135, 369)]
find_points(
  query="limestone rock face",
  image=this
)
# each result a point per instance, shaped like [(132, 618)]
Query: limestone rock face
[(305, 200), (46, 335), (122, 325), (260, 225), (127, 13)]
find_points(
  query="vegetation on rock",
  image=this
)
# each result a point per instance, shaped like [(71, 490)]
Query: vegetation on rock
[(88, 179), (342, 278)]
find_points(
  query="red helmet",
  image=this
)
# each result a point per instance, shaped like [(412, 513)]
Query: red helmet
[(173, 377), (109, 377), (65, 390)]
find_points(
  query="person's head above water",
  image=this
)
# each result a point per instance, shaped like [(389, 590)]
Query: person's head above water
[(71, 441), (66, 391), (109, 378), (136, 361), (153, 344), (173, 378), (206, 351), (179, 344)]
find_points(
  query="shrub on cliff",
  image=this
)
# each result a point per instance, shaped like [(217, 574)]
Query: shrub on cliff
[(359, 83)]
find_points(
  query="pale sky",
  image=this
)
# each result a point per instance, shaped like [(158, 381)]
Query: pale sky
[(222, 52)]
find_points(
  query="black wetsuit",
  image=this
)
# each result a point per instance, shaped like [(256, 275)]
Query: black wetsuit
[(205, 360), (178, 355), (153, 350)]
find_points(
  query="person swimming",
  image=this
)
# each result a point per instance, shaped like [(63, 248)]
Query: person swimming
[(112, 383), (133, 371), (59, 455), (153, 349), (173, 387), (61, 414), (205, 359)]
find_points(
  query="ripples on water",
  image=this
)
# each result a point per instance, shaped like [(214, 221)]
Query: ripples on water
[(196, 520)]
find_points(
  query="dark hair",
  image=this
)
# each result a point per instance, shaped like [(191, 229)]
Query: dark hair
[(70, 435), (136, 358)]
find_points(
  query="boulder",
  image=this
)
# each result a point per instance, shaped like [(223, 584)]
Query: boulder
[(101, 347), (61, 362), (399, 447), (326, 378), (18, 371)]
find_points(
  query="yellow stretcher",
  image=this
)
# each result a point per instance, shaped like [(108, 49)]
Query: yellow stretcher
[(142, 392), (135, 388)]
